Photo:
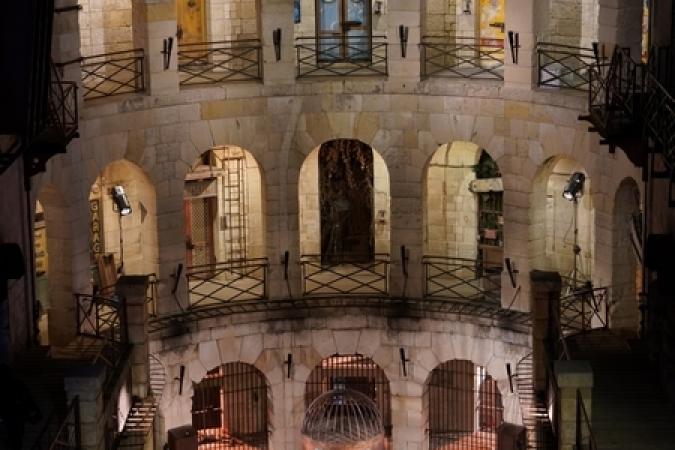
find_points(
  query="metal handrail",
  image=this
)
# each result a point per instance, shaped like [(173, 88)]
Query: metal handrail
[(151, 295), (565, 66), (346, 276), (462, 57), (101, 317), (113, 73), (212, 284), (63, 110), (68, 434), (341, 56), (585, 441), (220, 61), (461, 278)]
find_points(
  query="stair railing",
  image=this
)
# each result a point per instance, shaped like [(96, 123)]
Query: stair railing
[(61, 432), (584, 433)]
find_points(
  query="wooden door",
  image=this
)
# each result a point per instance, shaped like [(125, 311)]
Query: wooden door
[(191, 21), (491, 26), (199, 216)]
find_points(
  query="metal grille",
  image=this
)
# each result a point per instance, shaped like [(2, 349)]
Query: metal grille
[(355, 372), (220, 62), (113, 73), (565, 66), (461, 57), (464, 407), (461, 279), (341, 56), (230, 408), (200, 232)]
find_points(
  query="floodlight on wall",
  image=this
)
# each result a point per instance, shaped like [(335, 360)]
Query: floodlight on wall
[(575, 186), (121, 200)]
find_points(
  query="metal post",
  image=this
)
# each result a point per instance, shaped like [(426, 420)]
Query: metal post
[(119, 217)]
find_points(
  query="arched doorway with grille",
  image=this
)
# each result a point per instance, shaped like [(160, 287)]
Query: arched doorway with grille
[(464, 407), (348, 373), (231, 408)]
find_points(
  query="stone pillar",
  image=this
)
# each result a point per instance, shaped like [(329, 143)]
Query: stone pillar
[(572, 376), (545, 289), (86, 382), (403, 71), (520, 18), (153, 22), (620, 23), (278, 14), (133, 291)]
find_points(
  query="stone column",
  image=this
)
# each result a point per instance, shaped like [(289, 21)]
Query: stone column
[(520, 18), (572, 376), (403, 71), (153, 22), (545, 289), (620, 23), (277, 14), (86, 383), (133, 289)]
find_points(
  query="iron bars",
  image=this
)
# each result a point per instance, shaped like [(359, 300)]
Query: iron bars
[(462, 57), (101, 317), (151, 295), (583, 309), (461, 279), (341, 56), (584, 438), (210, 285), (565, 66), (345, 277), (61, 432), (113, 73), (220, 62), (63, 113)]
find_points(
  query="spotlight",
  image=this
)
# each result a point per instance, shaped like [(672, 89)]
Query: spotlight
[(121, 200), (575, 186)]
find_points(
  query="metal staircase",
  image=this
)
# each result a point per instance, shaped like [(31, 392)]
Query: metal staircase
[(143, 411), (535, 413)]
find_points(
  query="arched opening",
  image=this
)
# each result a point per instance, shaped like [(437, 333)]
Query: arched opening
[(626, 265), (41, 272), (562, 230), (463, 38), (122, 241), (463, 218), (464, 407), (231, 408), (224, 227), (355, 373), (344, 219)]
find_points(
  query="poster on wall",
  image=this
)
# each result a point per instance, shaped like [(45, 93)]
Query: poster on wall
[(296, 11)]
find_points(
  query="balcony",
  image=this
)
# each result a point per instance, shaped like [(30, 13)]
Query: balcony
[(220, 62), (341, 56), (565, 66), (462, 57), (339, 278), (114, 73), (461, 279)]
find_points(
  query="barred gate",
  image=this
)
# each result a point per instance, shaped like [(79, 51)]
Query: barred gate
[(356, 372), (464, 407), (231, 408)]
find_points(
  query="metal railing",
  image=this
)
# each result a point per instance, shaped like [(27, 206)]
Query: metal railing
[(113, 73), (462, 57), (345, 56), (210, 285), (101, 317), (63, 112), (461, 279), (220, 62), (565, 66), (61, 432), (584, 308), (345, 277), (584, 439)]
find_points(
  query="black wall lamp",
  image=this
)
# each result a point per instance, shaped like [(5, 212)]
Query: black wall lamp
[(512, 271), (168, 47), (403, 36), (514, 43), (404, 361), (180, 378), (510, 375), (276, 40), (289, 364)]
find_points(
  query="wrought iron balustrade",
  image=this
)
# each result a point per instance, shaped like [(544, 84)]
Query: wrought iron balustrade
[(63, 112), (151, 295), (220, 62), (462, 57), (461, 279), (101, 317), (584, 438), (342, 56), (61, 432), (584, 308), (113, 73), (345, 277), (210, 285), (565, 66)]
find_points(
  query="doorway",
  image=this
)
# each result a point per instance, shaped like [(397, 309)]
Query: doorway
[(344, 30), (191, 21)]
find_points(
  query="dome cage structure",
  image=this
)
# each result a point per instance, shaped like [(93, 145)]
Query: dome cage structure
[(343, 419)]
